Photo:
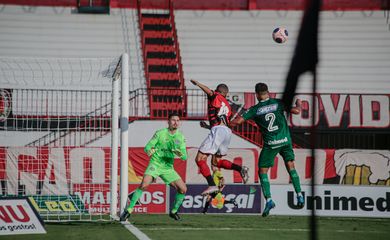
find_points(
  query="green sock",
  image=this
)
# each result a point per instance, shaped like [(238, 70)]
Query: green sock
[(295, 180), (178, 201), (265, 185), (134, 199)]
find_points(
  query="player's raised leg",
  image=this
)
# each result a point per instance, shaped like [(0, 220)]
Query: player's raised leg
[(288, 155), (296, 183), (146, 181), (201, 161), (217, 161), (265, 186)]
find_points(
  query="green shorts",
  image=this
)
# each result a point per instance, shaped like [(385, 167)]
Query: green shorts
[(167, 174), (268, 155)]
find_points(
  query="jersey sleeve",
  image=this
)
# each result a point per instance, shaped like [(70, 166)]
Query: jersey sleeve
[(249, 114), (152, 142), (212, 96), (183, 148)]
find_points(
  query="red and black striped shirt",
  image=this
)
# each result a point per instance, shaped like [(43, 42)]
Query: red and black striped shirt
[(219, 109)]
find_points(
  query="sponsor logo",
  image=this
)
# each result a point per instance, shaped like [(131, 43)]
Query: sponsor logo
[(275, 142), (329, 201), (247, 198), (153, 200), (96, 198), (267, 109), (18, 217), (57, 205)]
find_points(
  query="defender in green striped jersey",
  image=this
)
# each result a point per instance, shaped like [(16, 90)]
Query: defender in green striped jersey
[(268, 114)]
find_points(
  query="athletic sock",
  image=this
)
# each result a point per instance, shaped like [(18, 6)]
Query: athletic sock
[(228, 165), (178, 201), (265, 186), (295, 180), (205, 171), (210, 181), (134, 199)]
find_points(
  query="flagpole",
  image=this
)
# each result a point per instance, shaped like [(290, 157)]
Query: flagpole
[(313, 144)]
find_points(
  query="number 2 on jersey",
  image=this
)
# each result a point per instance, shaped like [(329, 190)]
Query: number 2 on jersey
[(270, 117)]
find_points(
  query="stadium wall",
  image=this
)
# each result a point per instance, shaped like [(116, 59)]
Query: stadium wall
[(236, 47), (56, 48)]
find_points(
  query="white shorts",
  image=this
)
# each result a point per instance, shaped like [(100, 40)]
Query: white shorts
[(217, 142)]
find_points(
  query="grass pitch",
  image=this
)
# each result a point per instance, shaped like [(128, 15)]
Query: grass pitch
[(223, 227)]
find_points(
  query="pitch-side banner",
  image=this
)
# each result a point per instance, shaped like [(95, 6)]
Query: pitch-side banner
[(17, 216), (247, 198), (59, 171), (333, 200), (96, 198), (343, 166)]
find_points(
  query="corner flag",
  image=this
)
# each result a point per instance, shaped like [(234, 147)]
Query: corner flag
[(306, 51)]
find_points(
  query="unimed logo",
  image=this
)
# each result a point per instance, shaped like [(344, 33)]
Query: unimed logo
[(13, 214), (329, 201)]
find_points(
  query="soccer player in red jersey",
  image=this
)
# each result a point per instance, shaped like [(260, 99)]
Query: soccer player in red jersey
[(218, 140)]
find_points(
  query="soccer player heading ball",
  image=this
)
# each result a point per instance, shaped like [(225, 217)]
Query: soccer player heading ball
[(218, 140), (268, 114), (162, 149)]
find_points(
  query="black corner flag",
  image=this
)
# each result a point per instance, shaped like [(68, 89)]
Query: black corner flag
[(306, 51)]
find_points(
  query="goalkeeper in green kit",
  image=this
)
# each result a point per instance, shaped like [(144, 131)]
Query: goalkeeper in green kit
[(268, 114), (162, 149)]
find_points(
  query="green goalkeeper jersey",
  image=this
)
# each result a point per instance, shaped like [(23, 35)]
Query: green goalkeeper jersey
[(165, 144), (269, 116)]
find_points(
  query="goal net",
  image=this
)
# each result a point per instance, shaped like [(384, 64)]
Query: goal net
[(55, 141)]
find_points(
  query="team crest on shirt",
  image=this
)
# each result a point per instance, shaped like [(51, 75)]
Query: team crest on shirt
[(177, 142), (267, 109)]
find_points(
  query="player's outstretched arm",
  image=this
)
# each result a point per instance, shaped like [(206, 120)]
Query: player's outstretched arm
[(237, 121), (204, 88), (297, 108)]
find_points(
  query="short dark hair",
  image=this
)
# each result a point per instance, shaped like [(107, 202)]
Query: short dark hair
[(174, 114), (222, 88), (261, 87)]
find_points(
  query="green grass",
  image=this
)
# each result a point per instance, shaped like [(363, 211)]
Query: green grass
[(221, 227), (257, 227), (79, 231)]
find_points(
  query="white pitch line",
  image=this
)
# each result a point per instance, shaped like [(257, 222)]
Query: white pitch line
[(135, 231), (257, 229)]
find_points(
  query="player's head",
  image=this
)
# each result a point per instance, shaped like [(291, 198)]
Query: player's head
[(173, 121), (222, 89), (261, 90)]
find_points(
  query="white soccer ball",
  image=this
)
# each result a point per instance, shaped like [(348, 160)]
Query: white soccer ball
[(280, 35)]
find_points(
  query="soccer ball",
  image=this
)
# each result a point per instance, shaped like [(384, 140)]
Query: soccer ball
[(280, 35)]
